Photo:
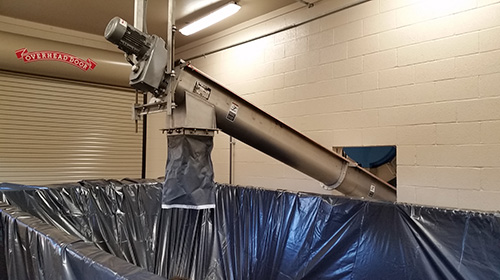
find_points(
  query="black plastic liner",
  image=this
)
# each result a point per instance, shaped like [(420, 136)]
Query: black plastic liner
[(189, 175), (261, 234), (33, 249)]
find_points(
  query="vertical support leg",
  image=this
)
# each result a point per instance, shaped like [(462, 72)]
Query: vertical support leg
[(139, 14), (170, 35), (139, 23)]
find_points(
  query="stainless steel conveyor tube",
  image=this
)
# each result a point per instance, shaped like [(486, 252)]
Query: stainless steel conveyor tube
[(196, 104), (247, 123)]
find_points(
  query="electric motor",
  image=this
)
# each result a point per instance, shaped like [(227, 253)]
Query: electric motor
[(127, 38)]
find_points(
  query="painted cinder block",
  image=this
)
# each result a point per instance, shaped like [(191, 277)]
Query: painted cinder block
[(380, 61), (485, 200), (379, 136), (406, 194), (246, 154), (296, 78), (320, 73), (329, 87), (329, 104), (386, 5), (276, 52), (396, 116), (362, 82), (435, 29), (364, 45), (416, 94), (427, 10), (290, 94), (348, 32), (489, 85), (419, 176), (352, 119), (399, 37), (348, 137), (478, 64), (435, 71), (458, 133), (381, 98), (333, 53), (442, 112), (296, 46), (259, 70), (406, 155), (412, 14), (272, 82), (468, 178), (260, 98), (490, 132), (448, 198), (309, 59), (309, 29), (284, 65), (416, 134), (489, 40), (397, 76), (444, 48), (284, 95), (340, 18), (478, 109), (267, 169), (445, 90), (285, 36), (324, 138), (490, 179), (321, 40), (379, 23), (477, 155), (426, 80), (486, 2), (434, 155), (477, 19), (456, 89), (364, 10), (348, 67)]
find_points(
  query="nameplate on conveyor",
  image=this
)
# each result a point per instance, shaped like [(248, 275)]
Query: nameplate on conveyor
[(202, 90), (233, 111)]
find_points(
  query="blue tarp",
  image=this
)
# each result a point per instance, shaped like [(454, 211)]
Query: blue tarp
[(261, 234)]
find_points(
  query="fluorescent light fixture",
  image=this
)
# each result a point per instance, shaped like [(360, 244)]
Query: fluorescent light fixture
[(212, 18)]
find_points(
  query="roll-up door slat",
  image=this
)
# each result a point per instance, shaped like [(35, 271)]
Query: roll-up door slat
[(54, 131)]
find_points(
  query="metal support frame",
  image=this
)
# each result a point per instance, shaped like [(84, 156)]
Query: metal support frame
[(139, 23), (197, 105), (170, 35), (247, 123), (140, 14)]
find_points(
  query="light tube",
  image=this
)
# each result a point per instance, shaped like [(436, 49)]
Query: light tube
[(212, 18)]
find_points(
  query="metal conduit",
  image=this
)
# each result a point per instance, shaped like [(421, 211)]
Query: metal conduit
[(277, 31)]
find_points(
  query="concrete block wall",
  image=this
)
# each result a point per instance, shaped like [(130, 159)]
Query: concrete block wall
[(422, 75)]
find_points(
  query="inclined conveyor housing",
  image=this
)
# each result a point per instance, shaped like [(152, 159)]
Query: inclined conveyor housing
[(197, 105)]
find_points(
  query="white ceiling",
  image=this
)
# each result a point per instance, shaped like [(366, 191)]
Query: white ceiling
[(92, 16)]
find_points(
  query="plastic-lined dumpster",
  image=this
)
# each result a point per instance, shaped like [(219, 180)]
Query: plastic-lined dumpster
[(251, 234)]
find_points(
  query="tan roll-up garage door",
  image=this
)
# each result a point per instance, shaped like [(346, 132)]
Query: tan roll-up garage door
[(54, 131)]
